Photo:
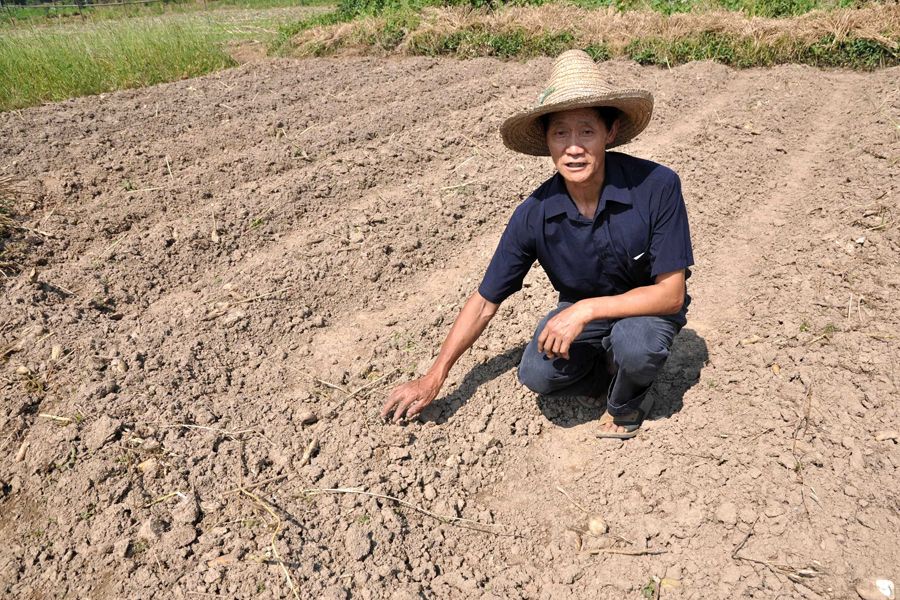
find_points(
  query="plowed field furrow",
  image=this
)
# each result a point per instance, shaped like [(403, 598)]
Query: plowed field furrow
[(322, 223)]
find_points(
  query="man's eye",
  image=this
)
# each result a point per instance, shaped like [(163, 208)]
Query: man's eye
[(587, 132)]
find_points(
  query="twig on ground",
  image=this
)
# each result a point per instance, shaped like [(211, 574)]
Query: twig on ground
[(572, 500), (56, 418), (311, 447), (625, 551), (330, 385), (169, 168), (266, 295), (478, 146), (254, 485), (792, 573), (265, 506), (165, 497), (456, 187), (150, 189), (466, 523), (369, 385), (37, 231), (227, 432)]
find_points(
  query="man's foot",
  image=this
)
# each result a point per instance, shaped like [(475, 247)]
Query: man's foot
[(620, 426)]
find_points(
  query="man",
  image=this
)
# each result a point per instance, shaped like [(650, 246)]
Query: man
[(611, 232)]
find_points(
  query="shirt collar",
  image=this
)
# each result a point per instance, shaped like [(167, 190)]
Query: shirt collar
[(557, 200)]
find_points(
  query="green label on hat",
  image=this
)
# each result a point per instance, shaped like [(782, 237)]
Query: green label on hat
[(545, 93)]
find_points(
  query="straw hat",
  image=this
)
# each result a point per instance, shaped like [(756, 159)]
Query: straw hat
[(576, 82)]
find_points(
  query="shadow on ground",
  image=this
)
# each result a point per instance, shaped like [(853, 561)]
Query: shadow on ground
[(681, 372), (444, 408)]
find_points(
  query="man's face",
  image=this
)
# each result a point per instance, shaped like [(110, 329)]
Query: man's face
[(577, 140)]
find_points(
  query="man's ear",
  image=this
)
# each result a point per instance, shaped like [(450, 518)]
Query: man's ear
[(613, 131)]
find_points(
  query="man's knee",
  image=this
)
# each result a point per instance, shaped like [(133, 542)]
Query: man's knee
[(640, 347), (533, 373)]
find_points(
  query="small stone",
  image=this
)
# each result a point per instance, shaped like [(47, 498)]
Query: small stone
[(429, 492), (307, 417), (851, 491), (883, 436), (148, 467), (212, 575), (747, 515), (867, 590), (118, 365), (55, 352), (848, 442), (187, 511), (151, 529), (121, 548), (597, 526), (571, 540), (397, 454), (357, 542), (103, 431), (727, 514)]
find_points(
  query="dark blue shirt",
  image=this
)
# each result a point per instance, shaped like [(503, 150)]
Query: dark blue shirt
[(640, 231)]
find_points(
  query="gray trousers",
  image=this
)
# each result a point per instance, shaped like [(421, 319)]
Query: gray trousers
[(618, 359)]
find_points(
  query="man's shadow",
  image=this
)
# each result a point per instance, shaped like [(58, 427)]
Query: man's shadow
[(681, 372), (444, 408)]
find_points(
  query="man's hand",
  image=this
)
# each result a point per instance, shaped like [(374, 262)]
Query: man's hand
[(411, 398), (560, 331)]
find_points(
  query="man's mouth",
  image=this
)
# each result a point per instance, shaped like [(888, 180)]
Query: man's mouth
[(576, 165)]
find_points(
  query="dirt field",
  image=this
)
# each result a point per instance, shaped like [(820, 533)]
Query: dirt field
[(238, 267)]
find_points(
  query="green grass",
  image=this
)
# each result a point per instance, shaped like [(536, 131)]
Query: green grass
[(856, 53), (13, 16), (478, 41), (45, 64)]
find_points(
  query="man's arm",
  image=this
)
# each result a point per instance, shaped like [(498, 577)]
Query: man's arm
[(411, 398), (664, 297)]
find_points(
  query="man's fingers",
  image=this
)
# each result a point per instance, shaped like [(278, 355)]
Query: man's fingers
[(401, 408)]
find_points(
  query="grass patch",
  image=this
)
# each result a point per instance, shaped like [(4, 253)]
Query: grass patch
[(481, 41), (856, 53), (862, 39), (15, 15), (9, 251), (40, 65)]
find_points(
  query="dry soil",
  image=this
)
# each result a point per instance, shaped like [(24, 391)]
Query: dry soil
[(233, 271)]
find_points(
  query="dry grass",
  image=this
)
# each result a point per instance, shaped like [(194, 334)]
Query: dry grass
[(9, 251), (463, 31)]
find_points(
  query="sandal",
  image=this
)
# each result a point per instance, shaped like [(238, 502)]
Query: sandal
[(631, 422)]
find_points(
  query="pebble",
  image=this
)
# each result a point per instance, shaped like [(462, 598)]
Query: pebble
[(867, 590), (120, 548), (597, 526), (187, 511), (429, 492), (307, 417), (151, 529), (883, 436)]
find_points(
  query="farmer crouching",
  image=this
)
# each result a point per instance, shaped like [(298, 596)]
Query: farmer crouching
[(611, 232)]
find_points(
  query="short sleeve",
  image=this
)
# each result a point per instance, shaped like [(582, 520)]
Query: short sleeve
[(512, 259), (670, 236)]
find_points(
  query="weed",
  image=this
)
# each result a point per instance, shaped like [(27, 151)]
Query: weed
[(139, 547), (804, 327), (649, 589), (128, 185), (88, 513), (363, 519)]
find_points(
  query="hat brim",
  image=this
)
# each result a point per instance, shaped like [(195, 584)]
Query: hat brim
[(524, 132)]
